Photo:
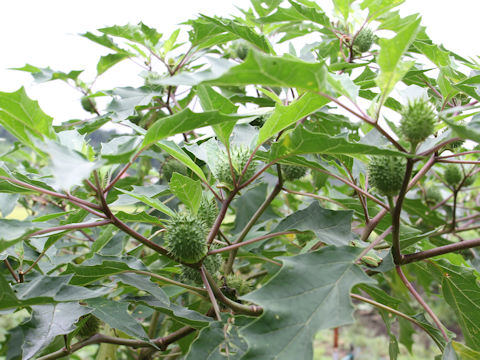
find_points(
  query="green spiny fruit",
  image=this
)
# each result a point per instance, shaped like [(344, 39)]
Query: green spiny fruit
[(208, 211), (386, 174), (364, 40), (239, 156), (433, 196), (89, 327), (469, 180), (293, 172), (418, 121), (185, 238), (88, 104), (242, 285), (212, 264), (173, 165), (452, 175), (151, 80)]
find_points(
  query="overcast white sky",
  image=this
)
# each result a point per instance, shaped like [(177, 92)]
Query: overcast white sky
[(45, 33)]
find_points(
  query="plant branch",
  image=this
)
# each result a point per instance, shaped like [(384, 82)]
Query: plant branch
[(422, 302), (125, 168), (210, 293), (11, 270), (221, 215), (251, 241), (51, 193), (162, 343), (374, 243), (276, 190), (70, 227), (396, 212), (441, 250), (315, 196), (252, 310), (167, 280)]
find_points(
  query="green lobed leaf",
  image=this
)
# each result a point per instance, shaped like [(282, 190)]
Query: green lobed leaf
[(330, 226), (189, 191), (343, 7), (174, 150), (285, 71), (241, 31), (23, 118), (461, 291), (464, 352), (184, 121), (155, 203), (470, 131), (379, 7), (211, 101), (127, 98), (107, 61), (140, 33), (214, 340), (302, 141), (317, 297), (392, 68), (100, 266), (177, 312), (115, 314), (47, 322), (284, 116), (141, 282), (46, 74)]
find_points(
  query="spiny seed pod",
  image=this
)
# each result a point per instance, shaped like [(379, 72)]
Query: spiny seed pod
[(418, 121), (433, 196), (185, 238), (386, 174), (88, 104), (239, 156), (89, 327), (242, 285), (173, 165), (364, 40), (452, 175), (212, 264), (469, 180), (293, 172), (151, 80), (208, 211)]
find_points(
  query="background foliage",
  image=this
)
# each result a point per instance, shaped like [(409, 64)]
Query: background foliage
[(243, 208)]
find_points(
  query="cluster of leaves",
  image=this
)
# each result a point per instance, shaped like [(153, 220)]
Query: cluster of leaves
[(257, 197)]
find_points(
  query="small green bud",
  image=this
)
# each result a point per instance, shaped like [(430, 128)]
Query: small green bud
[(239, 156), (418, 121), (386, 174), (372, 261), (88, 104), (364, 40), (242, 51), (173, 165), (293, 172), (89, 327), (433, 196), (452, 175), (151, 80), (185, 238)]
